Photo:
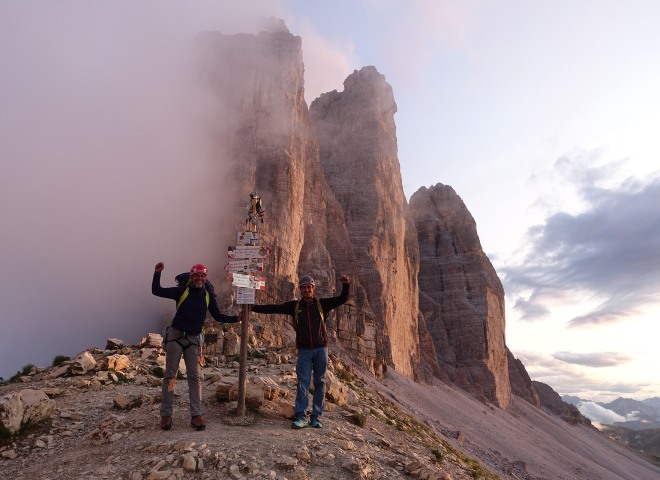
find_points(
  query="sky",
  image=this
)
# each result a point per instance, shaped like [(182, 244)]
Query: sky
[(541, 116)]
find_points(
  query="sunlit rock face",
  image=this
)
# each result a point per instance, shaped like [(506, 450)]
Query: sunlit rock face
[(258, 90), (330, 180), (358, 151), (461, 297)]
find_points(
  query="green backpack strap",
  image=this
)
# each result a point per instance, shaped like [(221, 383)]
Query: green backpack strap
[(184, 295)]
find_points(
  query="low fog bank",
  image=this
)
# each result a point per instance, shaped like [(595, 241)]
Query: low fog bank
[(108, 168)]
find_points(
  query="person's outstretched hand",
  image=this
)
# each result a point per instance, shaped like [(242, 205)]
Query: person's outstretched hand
[(345, 279), (160, 266)]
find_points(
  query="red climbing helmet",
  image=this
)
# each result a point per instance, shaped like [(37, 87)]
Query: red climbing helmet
[(199, 268)]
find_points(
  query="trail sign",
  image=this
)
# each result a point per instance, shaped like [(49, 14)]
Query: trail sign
[(245, 266), (248, 281), (246, 252), (247, 238), (245, 296)]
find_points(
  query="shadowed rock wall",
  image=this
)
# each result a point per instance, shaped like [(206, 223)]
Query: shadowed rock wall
[(461, 297)]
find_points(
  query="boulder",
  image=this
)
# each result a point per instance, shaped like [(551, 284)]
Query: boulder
[(37, 407), (113, 344), (254, 397), (118, 362), (335, 390), (57, 372), (11, 412), (83, 363), (153, 340), (284, 408), (226, 392), (27, 407), (270, 387)]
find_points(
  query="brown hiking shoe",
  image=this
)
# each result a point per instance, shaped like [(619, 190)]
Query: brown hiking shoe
[(197, 422), (165, 422)]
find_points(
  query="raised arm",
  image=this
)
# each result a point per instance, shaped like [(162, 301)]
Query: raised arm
[(156, 289), (334, 302)]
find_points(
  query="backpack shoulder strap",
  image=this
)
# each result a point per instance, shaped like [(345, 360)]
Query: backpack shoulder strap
[(296, 310), (318, 304), (184, 295)]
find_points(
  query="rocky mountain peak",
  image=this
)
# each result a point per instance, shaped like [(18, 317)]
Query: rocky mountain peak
[(461, 297), (358, 152)]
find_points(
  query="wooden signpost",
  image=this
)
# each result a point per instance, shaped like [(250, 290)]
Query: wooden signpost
[(246, 266)]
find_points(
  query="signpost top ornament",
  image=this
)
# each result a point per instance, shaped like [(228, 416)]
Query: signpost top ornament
[(255, 212)]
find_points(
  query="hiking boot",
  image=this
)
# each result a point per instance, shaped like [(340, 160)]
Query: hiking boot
[(299, 423), (316, 423), (165, 422), (197, 422)]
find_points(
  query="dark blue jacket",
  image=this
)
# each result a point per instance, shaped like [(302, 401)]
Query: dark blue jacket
[(191, 314), (310, 329)]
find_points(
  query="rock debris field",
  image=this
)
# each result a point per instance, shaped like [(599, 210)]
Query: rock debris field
[(100, 414)]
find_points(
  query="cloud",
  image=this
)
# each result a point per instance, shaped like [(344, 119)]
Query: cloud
[(605, 251), (327, 64), (108, 167), (531, 308), (572, 378), (600, 414), (598, 359)]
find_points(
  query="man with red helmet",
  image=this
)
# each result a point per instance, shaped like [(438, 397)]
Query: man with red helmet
[(312, 341), (182, 338)]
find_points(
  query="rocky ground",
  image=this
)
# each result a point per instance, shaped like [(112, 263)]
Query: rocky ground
[(101, 413), (104, 425)]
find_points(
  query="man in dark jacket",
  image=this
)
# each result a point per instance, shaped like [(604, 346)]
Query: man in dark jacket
[(312, 342), (182, 338)]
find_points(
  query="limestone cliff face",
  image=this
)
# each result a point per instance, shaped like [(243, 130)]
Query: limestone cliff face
[(258, 91), (461, 297), (263, 130), (331, 183), (357, 141)]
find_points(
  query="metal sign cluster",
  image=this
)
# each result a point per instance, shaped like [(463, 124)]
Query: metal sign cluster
[(246, 265)]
